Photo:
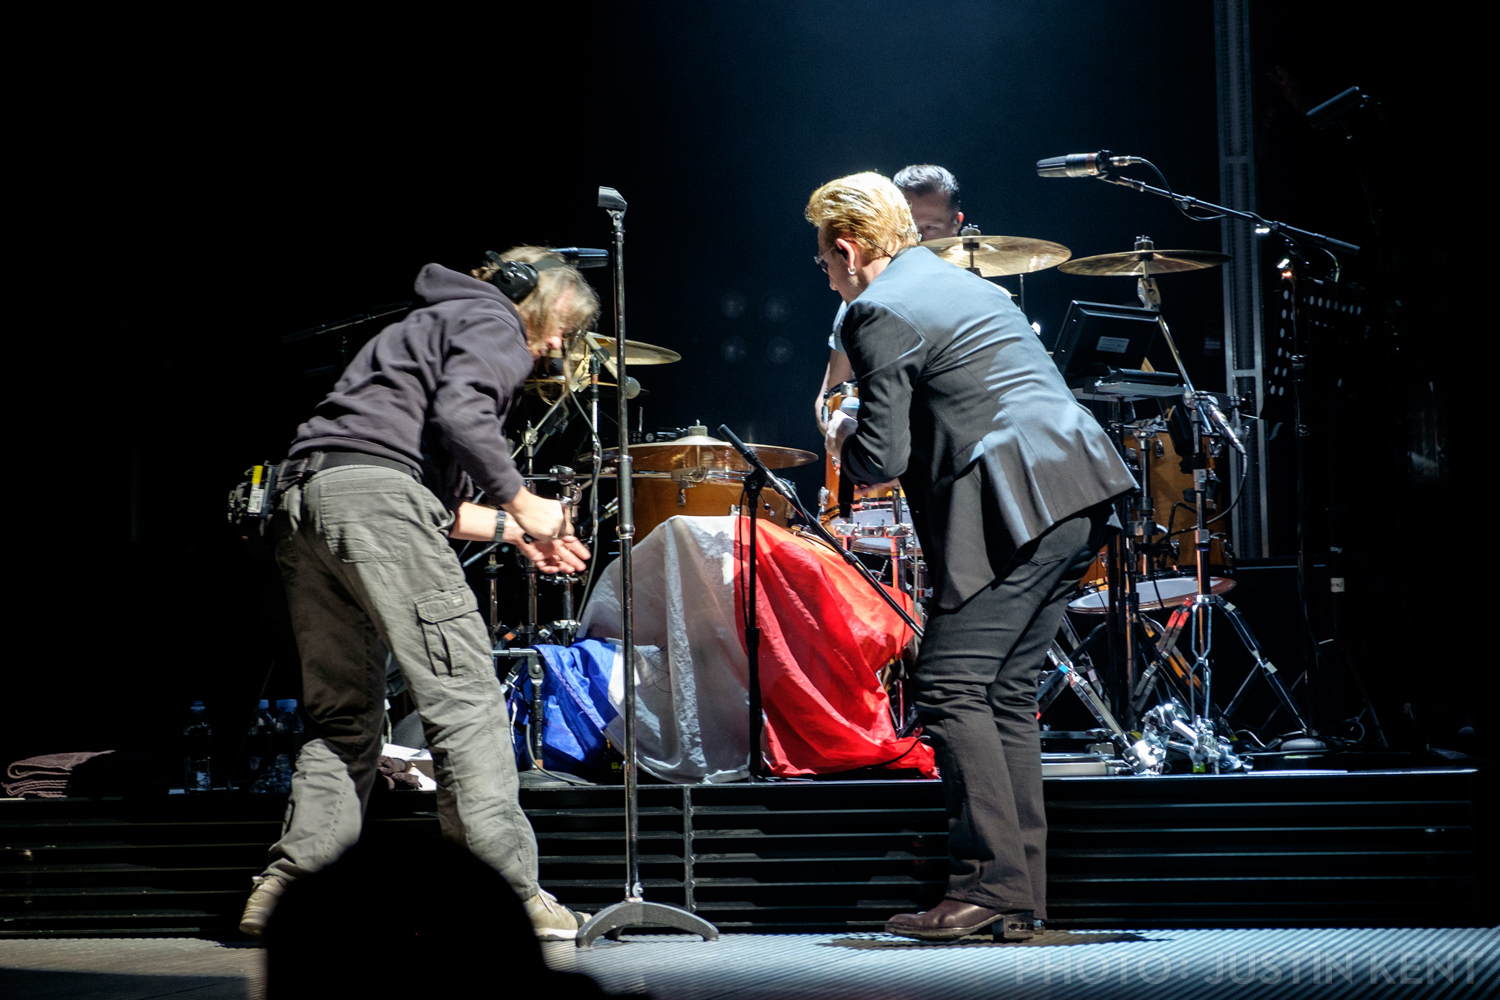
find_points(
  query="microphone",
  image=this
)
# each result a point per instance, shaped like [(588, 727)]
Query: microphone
[(610, 199), (1083, 164), (581, 257), (1216, 417)]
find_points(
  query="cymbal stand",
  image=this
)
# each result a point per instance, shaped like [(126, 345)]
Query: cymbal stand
[(633, 911), (1126, 638), (1207, 751)]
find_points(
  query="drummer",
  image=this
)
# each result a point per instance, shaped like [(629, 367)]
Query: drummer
[(932, 193)]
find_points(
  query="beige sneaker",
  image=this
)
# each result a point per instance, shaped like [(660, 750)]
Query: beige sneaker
[(552, 920), (268, 889)]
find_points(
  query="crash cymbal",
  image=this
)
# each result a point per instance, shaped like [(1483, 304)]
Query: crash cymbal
[(997, 256), (699, 450), (636, 352), (1135, 263)]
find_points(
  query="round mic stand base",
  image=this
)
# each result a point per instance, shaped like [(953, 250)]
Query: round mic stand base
[(612, 921)]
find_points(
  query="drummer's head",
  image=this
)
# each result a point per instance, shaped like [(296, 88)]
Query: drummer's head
[(863, 220), (561, 304), (932, 193)]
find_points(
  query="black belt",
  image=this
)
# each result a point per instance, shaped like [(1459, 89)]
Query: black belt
[(316, 461)]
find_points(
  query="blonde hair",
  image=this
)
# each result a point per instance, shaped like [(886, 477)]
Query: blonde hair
[(864, 207), (552, 286)]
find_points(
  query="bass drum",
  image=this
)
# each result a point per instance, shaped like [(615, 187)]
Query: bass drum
[(658, 497)]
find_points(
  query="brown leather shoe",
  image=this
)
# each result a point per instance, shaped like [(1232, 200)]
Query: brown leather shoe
[(947, 921)]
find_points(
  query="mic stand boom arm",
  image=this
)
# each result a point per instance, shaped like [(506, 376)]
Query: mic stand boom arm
[(1185, 202)]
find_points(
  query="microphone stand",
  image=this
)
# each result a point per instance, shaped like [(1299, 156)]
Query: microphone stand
[(633, 911), (789, 492), (753, 485), (760, 476)]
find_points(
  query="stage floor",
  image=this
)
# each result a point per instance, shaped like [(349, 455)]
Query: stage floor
[(1274, 964)]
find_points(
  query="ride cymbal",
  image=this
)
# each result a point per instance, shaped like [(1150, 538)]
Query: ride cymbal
[(998, 256)]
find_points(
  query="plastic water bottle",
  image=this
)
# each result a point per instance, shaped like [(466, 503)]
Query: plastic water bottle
[(288, 731), (258, 747), (197, 747)]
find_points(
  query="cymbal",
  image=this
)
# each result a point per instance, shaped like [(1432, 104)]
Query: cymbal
[(636, 352), (699, 450), (1135, 263), (997, 256)]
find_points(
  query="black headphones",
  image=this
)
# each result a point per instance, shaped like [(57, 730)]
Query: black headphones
[(517, 279)]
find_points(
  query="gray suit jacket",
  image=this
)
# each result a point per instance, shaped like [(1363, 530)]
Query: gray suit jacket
[(959, 399)]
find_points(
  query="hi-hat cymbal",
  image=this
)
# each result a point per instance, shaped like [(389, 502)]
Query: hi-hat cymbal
[(699, 450), (636, 352), (997, 256), (1135, 263)]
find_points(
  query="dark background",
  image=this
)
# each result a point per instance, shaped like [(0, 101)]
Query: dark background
[(191, 203)]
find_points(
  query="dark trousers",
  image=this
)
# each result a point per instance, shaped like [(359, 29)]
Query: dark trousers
[(976, 680)]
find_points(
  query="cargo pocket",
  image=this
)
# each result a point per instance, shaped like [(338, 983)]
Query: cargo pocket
[(440, 614)]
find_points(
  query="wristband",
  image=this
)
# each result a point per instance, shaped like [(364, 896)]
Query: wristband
[(499, 526)]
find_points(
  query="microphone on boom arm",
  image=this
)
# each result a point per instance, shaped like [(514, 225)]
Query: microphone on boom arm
[(1083, 164)]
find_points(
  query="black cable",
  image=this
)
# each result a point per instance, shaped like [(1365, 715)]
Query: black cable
[(1175, 200)]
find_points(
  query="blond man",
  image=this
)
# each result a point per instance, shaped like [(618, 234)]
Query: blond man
[(932, 193), (1009, 482)]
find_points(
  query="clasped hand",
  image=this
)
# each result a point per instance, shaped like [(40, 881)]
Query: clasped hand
[(539, 527)]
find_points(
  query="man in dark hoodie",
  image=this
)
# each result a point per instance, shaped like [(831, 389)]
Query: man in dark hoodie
[(376, 484)]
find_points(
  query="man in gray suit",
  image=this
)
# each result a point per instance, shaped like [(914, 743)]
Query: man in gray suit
[(1010, 482)]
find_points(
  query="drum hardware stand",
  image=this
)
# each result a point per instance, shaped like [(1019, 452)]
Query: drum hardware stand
[(634, 910), (1208, 751), (530, 631), (1141, 756), (1166, 652), (1292, 264), (1196, 739), (1121, 627)]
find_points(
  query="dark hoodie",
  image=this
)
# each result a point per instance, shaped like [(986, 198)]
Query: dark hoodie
[(433, 390)]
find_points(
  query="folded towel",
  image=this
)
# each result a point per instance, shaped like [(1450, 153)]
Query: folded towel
[(45, 776)]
